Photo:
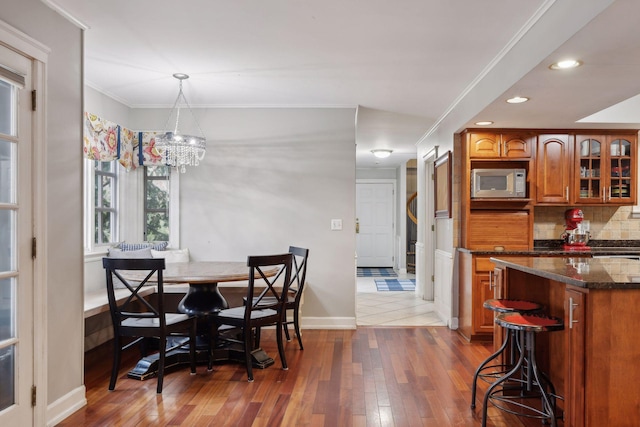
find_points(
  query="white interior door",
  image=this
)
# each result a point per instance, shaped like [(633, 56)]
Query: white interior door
[(16, 265), (374, 219)]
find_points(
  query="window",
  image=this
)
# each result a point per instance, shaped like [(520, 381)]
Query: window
[(156, 203), (105, 196)]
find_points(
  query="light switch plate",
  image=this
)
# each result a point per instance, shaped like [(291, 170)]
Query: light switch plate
[(336, 224)]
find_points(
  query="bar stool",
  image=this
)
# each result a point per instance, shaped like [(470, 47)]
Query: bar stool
[(490, 373), (527, 326)]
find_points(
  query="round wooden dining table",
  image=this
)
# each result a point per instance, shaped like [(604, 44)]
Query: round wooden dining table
[(204, 297)]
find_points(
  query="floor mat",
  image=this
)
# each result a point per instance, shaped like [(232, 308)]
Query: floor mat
[(395, 284), (376, 272)]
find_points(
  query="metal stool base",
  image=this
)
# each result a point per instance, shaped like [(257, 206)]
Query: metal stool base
[(534, 386)]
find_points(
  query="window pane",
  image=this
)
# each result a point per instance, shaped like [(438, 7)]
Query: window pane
[(158, 194), (7, 369), (7, 309), (7, 240), (106, 227), (7, 120), (105, 166), (7, 171), (158, 171), (96, 189), (156, 206), (157, 226), (105, 202), (107, 188), (96, 227)]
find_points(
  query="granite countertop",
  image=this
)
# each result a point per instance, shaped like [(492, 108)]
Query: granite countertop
[(585, 272), (555, 248)]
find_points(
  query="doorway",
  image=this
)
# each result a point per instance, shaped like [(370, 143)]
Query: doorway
[(16, 231), (375, 208)]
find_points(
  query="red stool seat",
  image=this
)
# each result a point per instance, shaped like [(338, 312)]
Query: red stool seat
[(510, 305), (529, 322)]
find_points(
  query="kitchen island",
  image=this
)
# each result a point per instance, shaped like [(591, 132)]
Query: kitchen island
[(475, 275), (595, 362)]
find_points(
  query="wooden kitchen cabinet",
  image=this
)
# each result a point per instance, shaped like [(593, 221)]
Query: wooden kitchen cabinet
[(503, 145), (482, 291), (553, 169), (605, 169), (499, 292), (499, 230), (574, 364), (476, 286), (565, 168)]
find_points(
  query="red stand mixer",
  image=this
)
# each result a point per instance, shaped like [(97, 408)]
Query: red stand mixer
[(575, 236)]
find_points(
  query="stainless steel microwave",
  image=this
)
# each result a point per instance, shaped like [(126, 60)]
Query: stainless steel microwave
[(498, 183)]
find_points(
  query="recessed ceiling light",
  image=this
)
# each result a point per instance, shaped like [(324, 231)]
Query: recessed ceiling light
[(382, 153), (485, 123), (517, 100), (565, 64)]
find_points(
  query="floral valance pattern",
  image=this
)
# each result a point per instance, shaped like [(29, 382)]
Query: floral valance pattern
[(101, 139), (148, 155), (107, 141), (128, 148)]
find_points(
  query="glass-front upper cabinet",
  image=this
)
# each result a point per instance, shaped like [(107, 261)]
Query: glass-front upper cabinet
[(605, 169)]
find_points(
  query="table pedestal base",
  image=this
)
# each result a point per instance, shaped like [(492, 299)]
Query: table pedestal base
[(261, 359), (147, 367)]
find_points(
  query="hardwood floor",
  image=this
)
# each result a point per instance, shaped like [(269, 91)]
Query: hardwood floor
[(372, 376)]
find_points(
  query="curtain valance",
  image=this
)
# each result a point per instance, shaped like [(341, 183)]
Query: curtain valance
[(106, 141)]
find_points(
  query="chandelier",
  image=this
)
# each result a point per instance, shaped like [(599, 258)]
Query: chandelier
[(178, 149)]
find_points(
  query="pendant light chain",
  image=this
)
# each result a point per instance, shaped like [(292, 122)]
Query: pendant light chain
[(180, 150)]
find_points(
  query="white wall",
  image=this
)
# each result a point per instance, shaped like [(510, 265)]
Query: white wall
[(376, 173), (106, 107), (63, 203), (273, 178)]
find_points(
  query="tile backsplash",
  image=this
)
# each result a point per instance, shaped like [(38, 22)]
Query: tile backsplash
[(606, 222)]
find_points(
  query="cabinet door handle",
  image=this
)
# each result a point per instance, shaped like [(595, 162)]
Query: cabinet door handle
[(566, 193), (490, 280), (609, 193), (572, 306)]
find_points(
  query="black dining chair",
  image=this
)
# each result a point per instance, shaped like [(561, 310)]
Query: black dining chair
[(140, 318), (296, 286), (267, 308)]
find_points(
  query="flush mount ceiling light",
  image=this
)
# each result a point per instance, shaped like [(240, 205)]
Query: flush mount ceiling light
[(382, 153), (484, 123), (517, 100), (565, 64), (179, 149)]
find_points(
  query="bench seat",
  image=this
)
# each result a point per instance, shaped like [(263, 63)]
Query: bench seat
[(98, 302)]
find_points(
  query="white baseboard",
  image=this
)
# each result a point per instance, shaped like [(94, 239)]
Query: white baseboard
[(328, 323), (66, 405)]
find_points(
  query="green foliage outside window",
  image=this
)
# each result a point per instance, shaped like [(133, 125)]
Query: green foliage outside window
[(104, 198), (156, 207)]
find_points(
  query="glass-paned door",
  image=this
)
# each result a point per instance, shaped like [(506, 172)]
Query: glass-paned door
[(620, 160), (590, 169), (16, 265)]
